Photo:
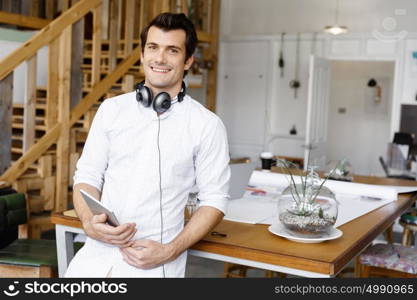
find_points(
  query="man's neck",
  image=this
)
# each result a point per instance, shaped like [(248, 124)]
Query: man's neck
[(173, 92)]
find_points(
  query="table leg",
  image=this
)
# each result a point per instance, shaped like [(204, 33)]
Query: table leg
[(65, 246)]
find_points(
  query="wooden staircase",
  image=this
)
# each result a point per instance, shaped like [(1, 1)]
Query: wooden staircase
[(43, 167)]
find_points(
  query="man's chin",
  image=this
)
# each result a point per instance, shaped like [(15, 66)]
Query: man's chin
[(159, 84)]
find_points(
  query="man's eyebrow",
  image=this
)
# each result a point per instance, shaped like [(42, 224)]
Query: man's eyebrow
[(174, 47), (169, 46)]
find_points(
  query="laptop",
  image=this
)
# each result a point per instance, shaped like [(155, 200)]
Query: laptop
[(239, 179)]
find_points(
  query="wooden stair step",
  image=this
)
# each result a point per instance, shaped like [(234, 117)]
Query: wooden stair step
[(17, 150), (37, 127), (19, 119), (37, 105)]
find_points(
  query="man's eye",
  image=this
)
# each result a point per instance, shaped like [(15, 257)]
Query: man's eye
[(174, 51), (151, 47)]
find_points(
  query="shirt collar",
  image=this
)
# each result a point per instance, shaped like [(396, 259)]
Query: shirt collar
[(176, 107)]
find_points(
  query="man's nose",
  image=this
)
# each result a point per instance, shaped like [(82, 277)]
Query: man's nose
[(160, 57)]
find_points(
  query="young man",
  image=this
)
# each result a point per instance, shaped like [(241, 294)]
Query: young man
[(143, 161)]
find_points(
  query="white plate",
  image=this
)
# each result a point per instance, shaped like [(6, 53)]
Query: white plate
[(279, 230)]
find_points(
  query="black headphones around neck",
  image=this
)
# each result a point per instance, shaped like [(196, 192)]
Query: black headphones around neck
[(162, 101)]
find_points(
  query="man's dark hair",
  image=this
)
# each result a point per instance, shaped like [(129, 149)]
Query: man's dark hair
[(170, 21)]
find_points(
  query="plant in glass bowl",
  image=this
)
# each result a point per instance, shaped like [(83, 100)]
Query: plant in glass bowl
[(306, 207)]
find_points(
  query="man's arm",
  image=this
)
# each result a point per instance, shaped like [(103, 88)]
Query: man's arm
[(95, 225), (147, 254), (89, 177), (201, 223)]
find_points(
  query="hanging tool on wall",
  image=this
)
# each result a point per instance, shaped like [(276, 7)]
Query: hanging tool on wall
[(281, 63), (295, 83)]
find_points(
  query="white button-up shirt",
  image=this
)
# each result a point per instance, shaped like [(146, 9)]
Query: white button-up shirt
[(121, 159)]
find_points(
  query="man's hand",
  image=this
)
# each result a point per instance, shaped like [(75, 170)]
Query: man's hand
[(147, 254), (97, 229)]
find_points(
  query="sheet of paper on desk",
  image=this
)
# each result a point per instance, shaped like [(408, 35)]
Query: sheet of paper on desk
[(251, 209), (280, 181), (353, 206), (405, 189), (355, 199), (263, 210)]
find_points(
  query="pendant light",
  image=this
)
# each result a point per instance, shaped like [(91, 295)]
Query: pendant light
[(336, 28)]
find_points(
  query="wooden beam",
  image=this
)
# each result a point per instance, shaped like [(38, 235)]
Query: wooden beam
[(29, 110), (129, 23), (120, 19), (45, 166), (34, 8), (96, 50), (105, 19), (52, 87), (50, 9), (128, 80), (65, 4), (165, 6), (184, 7), (6, 101), (47, 34), (6, 5), (205, 37), (23, 21), (77, 56), (212, 74), (114, 12), (64, 98), (142, 18), (73, 166), (136, 19), (48, 193), (128, 83), (16, 7)]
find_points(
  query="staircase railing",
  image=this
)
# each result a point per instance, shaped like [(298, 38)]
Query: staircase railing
[(60, 37)]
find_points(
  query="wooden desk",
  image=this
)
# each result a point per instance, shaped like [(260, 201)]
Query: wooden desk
[(255, 246)]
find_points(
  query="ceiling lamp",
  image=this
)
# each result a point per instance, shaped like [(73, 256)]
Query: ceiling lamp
[(336, 29)]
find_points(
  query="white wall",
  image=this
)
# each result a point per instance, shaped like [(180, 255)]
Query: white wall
[(361, 133), (244, 89), (409, 83), (287, 110), (249, 17), (264, 20)]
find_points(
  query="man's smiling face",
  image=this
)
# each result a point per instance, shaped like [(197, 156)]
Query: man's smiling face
[(163, 59)]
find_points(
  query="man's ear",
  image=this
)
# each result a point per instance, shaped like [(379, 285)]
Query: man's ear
[(189, 62), (141, 56)]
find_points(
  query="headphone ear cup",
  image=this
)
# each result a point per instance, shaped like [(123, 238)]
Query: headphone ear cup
[(145, 96), (162, 102)]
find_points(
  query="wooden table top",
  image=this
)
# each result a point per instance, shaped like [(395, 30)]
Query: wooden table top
[(255, 242)]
